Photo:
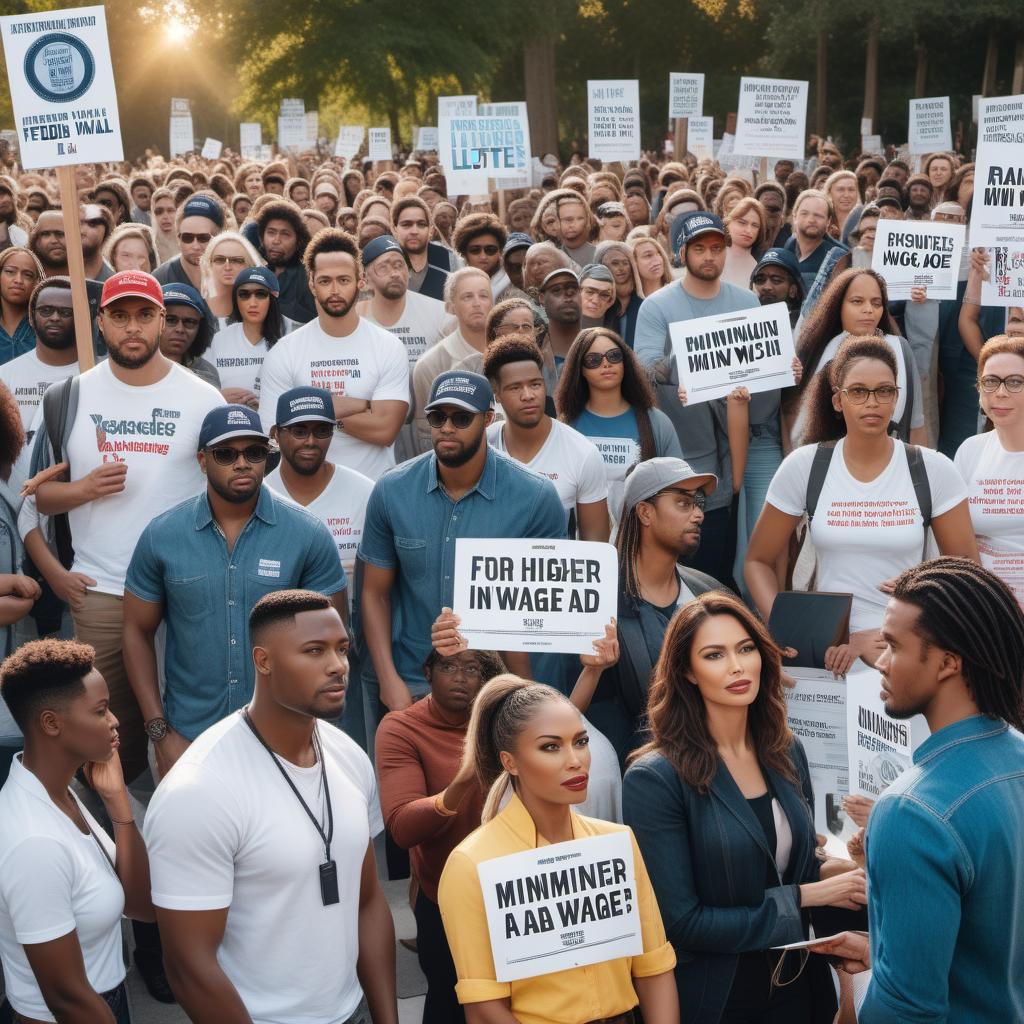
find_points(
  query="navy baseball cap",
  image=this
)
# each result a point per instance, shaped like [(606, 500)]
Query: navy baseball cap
[(227, 422), (184, 295), (559, 272), (470, 391), (516, 240), (377, 247), (258, 275), (203, 206), (302, 405), (784, 258), (691, 225)]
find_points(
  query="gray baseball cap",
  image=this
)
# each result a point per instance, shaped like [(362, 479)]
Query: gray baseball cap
[(654, 475)]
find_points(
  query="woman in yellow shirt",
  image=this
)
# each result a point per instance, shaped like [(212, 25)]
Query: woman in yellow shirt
[(529, 738)]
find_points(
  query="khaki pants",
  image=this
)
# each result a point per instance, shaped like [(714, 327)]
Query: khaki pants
[(100, 623)]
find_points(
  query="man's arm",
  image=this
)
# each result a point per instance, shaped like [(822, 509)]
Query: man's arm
[(376, 964), (375, 609), (592, 520), (378, 424), (57, 496)]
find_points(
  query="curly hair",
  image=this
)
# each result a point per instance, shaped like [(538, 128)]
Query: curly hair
[(12, 433), (331, 240), (475, 225), (44, 673), (286, 210), (510, 350), (497, 313)]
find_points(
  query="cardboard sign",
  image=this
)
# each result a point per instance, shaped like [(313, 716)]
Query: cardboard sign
[(562, 906), (685, 95), (182, 137), (62, 87), (614, 120), (1005, 286), (211, 149), (350, 138), (918, 254), (476, 150), (929, 129), (291, 125), (752, 348), (517, 111), (771, 118), (700, 137), (250, 139), (997, 210), (534, 595), (426, 139), (380, 144)]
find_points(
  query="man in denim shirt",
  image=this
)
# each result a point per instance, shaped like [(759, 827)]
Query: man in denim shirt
[(945, 842), (417, 511), (201, 567)]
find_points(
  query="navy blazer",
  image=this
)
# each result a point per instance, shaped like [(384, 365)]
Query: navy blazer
[(708, 859)]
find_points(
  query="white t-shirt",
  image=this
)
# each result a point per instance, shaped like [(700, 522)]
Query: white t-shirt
[(155, 430), (340, 506), (865, 533), (54, 880), (995, 490), (568, 459), (237, 359), (421, 326), (370, 363), (27, 378), (224, 830)]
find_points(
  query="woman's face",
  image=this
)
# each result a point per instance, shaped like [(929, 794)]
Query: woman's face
[(517, 321), (163, 211), (649, 261), (132, 254), (253, 302), (227, 261), (845, 195), (725, 663), (743, 230), (1015, 322), (620, 266), (181, 325), (253, 184), (551, 759), (241, 209), (940, 172), (1003, 407), (18, 277), (862, 306), (89, 727), (870, 417), (606, 376), (549, 222), (444, 219), (637, 208)]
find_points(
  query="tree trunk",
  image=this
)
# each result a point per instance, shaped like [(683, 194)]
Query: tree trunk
[(1018, 67), (871, 75), (821, 106), (988, 82), (539, 76), (921, 78)]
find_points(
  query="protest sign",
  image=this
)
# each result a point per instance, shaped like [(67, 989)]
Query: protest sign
[(537, 595), (562, 906), (515, 111), (266, 152), (450, 108), (312, 127), (350, 138), (872, 144), (1005, 284), (771, 117), (918, 254), (291, 125), (614, 120), (685, 95), (211, 149), (997, 210), (752, 348), (62, 87), (699, 140), (426, 139), (865, 126), (250, 139), (182, 137), (492, 144), (379, 147), (929, 129)]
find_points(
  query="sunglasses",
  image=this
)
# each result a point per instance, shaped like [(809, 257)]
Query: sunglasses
[(244, 294), (228, 456), (187, 238), (592, 360), (235, 261), (64, 312), (484, 250), (190, 323), (460, 420), (301, 431)]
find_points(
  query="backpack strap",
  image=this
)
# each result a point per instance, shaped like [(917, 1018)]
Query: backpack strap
[(910, 371), (60, 404), (816, 479), (919, 478)]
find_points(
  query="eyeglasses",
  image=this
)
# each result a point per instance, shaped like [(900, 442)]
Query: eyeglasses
[(244, 294), (884, 395), (450, 668), (482, 250), (686, 500), (190, 323), (188, 237), (592, 360), (504, 330), (235, 261), (144, 317), (301, 431), (990, 383), (460, 420), (64, 312), (228, 456)]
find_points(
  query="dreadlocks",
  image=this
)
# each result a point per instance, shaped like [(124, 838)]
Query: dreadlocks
[(969, 611)]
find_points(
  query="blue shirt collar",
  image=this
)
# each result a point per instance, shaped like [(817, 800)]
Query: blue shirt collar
[(265, 509), (485, 485), (975, 727)]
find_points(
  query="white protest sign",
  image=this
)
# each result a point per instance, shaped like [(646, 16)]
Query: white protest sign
[(291, 125), (750, 347), (918, 254), (180, 107), (379, 144), (536, 595), (350, 138), (929, 129), (312, 127), (997, 210), (1005, 286), (426, 139), (872, 144), (614, 120), (266, 152), (699, 137), (685, 94), (865, 126), (478, 149), (455, 106), (562, 906), (62, 87), (211, 149), (771, 117), (450, 109), (520, 133), (975, 106), (182, 137), (250, 139)]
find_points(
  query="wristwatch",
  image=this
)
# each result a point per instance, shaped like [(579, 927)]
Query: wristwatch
[(156, 729)]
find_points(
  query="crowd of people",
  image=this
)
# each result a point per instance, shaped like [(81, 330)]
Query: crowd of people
[(229, 564)]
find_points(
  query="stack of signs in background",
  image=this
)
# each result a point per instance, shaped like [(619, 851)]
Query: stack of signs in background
[(918, 254), (512, 132), (250, 140), (291, 125), (929, 128), (614, 120), (182, 139), (379, 145), (350, 138), (771, 118)]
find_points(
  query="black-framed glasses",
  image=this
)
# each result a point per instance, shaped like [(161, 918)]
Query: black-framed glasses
[(228, 456), (64, 312), (460, 419), (301, 431), (686, 500), (592, 360), (190, 323), (884, 395), (188, 237), (990, 383), (482, 250), (244, 295)]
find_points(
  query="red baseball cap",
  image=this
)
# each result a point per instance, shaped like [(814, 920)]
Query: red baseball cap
[(132, 284)]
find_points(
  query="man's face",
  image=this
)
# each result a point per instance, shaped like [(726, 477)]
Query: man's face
[(868, 228), (35, 206), (911, 669), (472, 301), (131, 329), (705, 256), (300, 196), (335, 283), (455, 681), (572, 223), (898, 173), (194, 234), (142, 196), (50, 246), (239, 481), (673, 520), (94, 230), (181, 326), (520, 218), (412, 230), (388, 275), (775, 208), (455, 446), (811, 220), (54, 320), (561, 300), (514, 267), (637, 207), (521, 391), (304, 446), (6, 203), (596, 298), (280, 242), (111, 202), (783, 169), (920, 196), (253, 184), (773, 284), (484, 253)]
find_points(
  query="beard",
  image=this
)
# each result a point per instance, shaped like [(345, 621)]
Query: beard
[(52, 261), (61, 343), (393, 290), (234, 497), (342, 311), (463, 456), (132, 362)]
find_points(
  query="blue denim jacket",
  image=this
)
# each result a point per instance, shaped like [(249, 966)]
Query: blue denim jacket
[(945, 854)]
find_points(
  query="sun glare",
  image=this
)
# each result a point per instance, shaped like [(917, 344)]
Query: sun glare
[(177, 31)]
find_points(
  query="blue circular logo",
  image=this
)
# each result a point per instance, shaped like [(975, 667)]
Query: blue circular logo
[(59, 67)]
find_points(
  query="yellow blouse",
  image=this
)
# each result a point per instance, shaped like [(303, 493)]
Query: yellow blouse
[(566, 997)]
